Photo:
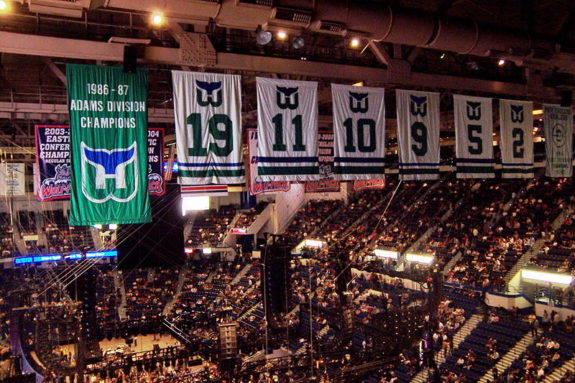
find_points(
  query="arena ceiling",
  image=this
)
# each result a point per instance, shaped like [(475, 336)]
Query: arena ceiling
[(447, 45)]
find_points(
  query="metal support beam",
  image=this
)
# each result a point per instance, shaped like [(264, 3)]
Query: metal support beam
[(55, 70), (92, 50), (379, 51)]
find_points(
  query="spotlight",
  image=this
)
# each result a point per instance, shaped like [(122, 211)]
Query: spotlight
[(4, 6), (281, 35), (354, 43), (157, 19), (443, 55), (501, 62), (263, 37), (298, 43)]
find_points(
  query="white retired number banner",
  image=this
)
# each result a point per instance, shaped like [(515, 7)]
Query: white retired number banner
[(359, 127), (558, 122), (516, 118), (418, 134), (474, 136), (287, 130), (207, 109), (12, 179)]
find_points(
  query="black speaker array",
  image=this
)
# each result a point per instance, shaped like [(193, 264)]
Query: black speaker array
[(130, 58), (276, 279), (566, 97), (156, 244)]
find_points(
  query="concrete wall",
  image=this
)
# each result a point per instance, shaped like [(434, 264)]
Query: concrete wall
[(286, 206)]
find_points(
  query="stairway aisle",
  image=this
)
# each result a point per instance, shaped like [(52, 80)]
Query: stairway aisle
[(241, 274), (512, 355), (559, 372), (119, 285), (440, 357), (181, 279)]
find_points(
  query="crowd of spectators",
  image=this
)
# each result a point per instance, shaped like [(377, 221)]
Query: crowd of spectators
[(496, 249), (309, 219), (148, 291), (247, 217), (492, 223), (211, 226), (7, 247)]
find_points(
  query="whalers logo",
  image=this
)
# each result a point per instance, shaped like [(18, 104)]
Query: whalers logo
[(558, 134), (358, 102), (205, 93), (517, 113), (418, 105), (99, 166), (473, 110), (287, 98)]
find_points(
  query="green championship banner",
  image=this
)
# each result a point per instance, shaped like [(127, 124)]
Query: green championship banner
[(108, 129)]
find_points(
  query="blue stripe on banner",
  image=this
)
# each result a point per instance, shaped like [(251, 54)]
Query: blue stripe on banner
[(355, 159), (527, 164), (420, 164), (475, 160), (286, 159), (198, 164)]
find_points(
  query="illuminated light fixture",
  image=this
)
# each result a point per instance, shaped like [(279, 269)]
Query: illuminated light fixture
[(358, 84), (537, 112), (561, 279), (98, 226), (263, 37), (313, 243), (385, 253), (239, 231), (443, 55), (420, 258), (4, 6), (207, 250), (188, 250), (281, 35), (501, 62), (298, 43), (354, 43), (157, 18), (113, 226)]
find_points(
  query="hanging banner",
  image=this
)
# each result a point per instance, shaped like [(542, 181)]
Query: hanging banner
[(418, 135), (367, 184), (155, 161), (516, 119), (52, 179), (257, 186), (327, 183), (207, 108), (108, 127), (558, 123), (52, 170), (204, 190), (12, 179), (474, 136), (359, 125), (287, 130)]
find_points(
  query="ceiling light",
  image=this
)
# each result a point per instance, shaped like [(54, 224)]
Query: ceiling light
[(298, 43), (537, 112), (501, 62), (157, 19), (354, 43), (4, 6), (358, 84), (263, 37), (281, 35), (443, 55)]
